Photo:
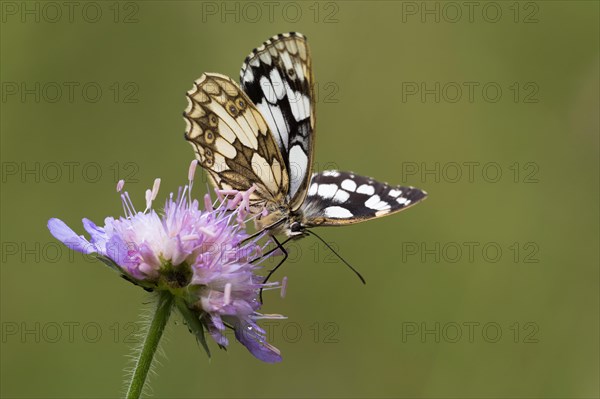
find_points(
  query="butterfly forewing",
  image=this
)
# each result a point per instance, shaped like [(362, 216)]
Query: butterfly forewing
[(338, 198), (232, 140), (277, 77), (262, 134)]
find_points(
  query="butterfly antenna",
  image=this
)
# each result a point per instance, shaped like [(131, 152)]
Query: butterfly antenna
[(338, 255)]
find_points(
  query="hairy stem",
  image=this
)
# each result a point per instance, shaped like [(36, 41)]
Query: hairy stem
[(155, 331)]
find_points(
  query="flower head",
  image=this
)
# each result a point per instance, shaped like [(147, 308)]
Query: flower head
[(200, 256)]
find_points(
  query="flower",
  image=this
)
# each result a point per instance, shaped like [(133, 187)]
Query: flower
[(200, 256)]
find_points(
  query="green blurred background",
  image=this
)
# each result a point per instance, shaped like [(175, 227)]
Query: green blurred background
[(517, 317)]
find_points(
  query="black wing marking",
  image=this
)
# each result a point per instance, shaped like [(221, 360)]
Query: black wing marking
[(338, 198), (277, 77)]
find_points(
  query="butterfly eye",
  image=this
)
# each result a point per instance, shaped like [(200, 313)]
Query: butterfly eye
[(295, 227), (291, 72), (241, 104), (212, 120)]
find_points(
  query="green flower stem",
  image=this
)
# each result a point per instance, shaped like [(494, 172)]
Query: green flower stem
[(155, 330)]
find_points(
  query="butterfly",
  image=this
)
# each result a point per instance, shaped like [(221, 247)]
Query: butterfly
[(261, 133)]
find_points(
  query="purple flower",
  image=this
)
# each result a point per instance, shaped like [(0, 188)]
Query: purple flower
[(200, 256)]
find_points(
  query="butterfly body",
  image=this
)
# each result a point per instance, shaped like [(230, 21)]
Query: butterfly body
[(261, 133)]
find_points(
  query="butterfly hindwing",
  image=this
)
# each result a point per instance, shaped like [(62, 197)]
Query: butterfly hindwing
[(232, 140), (277, 77), (338, 198)]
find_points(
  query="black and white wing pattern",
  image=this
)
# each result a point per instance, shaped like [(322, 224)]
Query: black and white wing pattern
[(339, 198), (262, 133), (277, 77), (232, 141)]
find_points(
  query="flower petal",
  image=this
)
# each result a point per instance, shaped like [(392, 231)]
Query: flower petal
[(98, 234), (257, 344), (123, 254), (64, 233)]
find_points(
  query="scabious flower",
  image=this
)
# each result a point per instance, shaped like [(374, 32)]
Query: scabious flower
[(200, 256)]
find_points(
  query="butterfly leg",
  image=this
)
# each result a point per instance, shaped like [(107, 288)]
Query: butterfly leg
[(285, 256), (261, 231)]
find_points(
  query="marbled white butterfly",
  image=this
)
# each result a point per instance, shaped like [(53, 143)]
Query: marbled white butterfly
[(263, 134)]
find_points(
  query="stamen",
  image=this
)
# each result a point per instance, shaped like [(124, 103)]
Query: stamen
[(233, 203), (148, 200), (192, 170), (181, 196), (227, 294), (271, 286), (283, 287), (120, 185), (206, 231), (191, 173), (155, 188), (259, 316), (126, 208), (208, 203), (246, 197), (130, 203), (241, 217), (190, 237), (228, 192)]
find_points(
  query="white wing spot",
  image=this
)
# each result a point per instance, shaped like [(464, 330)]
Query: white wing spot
[(394, 193), (313, 189), (332, 173), (299, 160), (341, 196), (327, 191), (262, 169), (265, 57), (349, 185), (375, 203), (337, 212), (248, 75), (268, 90), (401, 200), (278, 85), (366, 189), (274, 117), (299, 72), (299, 103), (225, 148)]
